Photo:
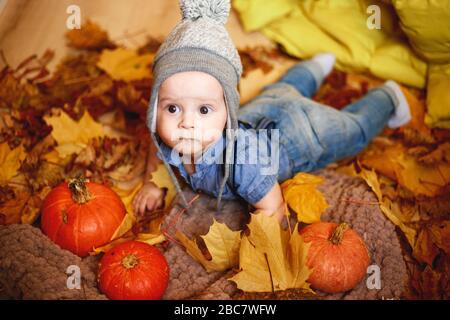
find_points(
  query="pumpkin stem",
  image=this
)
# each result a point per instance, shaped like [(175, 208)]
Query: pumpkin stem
[(77, 186), (130, 261), (338, 233)]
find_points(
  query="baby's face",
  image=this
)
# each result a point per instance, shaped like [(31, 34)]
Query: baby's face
[(191, 112)]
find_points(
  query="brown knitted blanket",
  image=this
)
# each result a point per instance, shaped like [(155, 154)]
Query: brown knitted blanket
[(32, 267)]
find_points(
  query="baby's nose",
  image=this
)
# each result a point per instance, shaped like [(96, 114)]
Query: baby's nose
[(188, 121)]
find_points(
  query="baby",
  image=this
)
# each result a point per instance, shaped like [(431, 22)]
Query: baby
[(229, 152)]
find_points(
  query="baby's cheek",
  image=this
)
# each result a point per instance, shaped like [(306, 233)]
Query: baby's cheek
[(212, 135)]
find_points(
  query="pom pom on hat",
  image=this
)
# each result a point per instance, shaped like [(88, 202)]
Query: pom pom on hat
[(217, 10)]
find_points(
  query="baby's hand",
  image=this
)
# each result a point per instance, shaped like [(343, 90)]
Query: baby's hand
[(150, 197)]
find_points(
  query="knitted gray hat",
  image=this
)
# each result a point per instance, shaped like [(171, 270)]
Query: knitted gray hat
[(200, 42)]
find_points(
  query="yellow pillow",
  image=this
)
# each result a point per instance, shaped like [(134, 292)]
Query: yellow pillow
[(438, 96), (255, 14), (310, 26), (426, 23), (395, 60)]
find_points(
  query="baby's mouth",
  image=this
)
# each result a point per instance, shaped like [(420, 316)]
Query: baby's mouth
[(187, 139)]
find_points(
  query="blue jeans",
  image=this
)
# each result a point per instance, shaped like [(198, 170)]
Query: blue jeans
[(314, 134)]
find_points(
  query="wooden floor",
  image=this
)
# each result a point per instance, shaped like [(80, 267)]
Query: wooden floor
[(32, 26)]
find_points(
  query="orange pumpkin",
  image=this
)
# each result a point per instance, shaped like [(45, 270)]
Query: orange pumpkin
[(338, 255), (80, 215), (133, 270)]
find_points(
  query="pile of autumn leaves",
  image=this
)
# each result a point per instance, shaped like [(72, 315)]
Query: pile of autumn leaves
[(88, 117)]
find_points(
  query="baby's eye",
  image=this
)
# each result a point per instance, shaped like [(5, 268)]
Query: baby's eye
[(205, 109), (172, 108)]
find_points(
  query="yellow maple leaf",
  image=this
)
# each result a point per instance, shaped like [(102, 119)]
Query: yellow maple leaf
[(10, 161), (125, 64), (297, 257), (73, 136), (162, 179), (127, 195), (54, 157), (270, 255), (302, 196), (222, 243), (266, 237)]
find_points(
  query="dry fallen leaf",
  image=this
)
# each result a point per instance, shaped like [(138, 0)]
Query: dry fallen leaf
[(31, 211), (440, 233), (23, 208), (394, 162), (162, 179), (270, 256), (440, 154), (127, 237), (11, 210), (222, 243), (133, 100), (302, 196), (125, 64), (151, 238), (73, 136), (425, 250), (10, 161), (428, 283), (89, 36)]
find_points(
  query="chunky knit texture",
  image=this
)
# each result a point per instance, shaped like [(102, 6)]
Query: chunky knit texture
[(33, 267)]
